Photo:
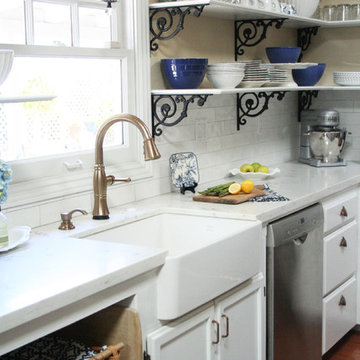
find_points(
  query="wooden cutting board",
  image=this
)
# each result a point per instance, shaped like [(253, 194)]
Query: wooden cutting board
[(232, 199)]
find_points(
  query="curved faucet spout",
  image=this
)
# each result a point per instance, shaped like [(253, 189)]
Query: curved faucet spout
[(148, 140), (101, 181)]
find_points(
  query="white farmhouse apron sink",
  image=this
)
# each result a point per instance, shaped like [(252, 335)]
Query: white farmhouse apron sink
[(207, 256)]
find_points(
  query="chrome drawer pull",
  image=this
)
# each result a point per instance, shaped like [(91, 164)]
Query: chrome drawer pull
[(217, 332), (343, 242), (227, 325), (342, 301), (343, 212)]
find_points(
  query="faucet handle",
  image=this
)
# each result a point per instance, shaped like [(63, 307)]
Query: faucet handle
[(110, 179), (66, 217)]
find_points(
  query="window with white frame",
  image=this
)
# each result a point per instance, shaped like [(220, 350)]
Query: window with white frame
[(72, 50)]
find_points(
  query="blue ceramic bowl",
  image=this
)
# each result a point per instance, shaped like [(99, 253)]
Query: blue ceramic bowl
[(309, 76), (184, 73), (283, 54)]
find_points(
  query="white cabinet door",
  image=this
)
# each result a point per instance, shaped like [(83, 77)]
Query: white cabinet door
[(340, 210), (339, 313), (188, 338), (241, 317), (340, 256)]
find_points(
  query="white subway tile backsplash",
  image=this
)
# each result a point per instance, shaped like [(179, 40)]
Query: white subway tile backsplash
[(211, 133), (25, 216), (50, 212), (120, 194), (151, 188)]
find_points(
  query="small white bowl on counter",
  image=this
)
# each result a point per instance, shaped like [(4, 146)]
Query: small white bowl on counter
[(255, 175)]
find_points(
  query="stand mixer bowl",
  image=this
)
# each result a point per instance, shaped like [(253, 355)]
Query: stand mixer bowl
[(327, 145)]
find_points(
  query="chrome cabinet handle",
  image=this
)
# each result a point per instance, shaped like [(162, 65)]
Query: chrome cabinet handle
[(227, 326), (344, 212), (217, 332), (342, 301), (343, 242)]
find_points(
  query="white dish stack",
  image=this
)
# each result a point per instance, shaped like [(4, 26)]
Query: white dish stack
[(277, 77), (226, 75), (256, 75), (347, 78)]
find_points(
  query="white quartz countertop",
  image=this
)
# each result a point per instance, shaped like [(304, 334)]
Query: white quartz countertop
[(48, 273), (302, 184), (56, 268)]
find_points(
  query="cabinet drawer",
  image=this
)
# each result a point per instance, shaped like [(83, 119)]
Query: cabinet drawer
[(340, 256), (339, 313), (340, 210)]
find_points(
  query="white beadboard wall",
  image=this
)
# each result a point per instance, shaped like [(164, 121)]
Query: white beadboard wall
[(348, 105), (208, 131)]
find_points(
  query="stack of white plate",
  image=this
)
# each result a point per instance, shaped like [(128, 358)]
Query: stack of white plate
[(226, 75), (255, 74), (347, 78), (277, 76)]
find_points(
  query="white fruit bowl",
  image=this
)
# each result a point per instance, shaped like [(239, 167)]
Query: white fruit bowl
[(254, 175)]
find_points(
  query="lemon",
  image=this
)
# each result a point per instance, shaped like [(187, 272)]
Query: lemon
[(234, 188), (247, 186)]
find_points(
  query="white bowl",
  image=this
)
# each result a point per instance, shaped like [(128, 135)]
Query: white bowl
[(223, 80), (6, 61), (231, 73), (17, 236), (254, 175), (227, 65), (227, 69)]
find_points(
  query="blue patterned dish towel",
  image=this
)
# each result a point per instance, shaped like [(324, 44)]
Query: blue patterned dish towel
[(52, 348), (270, 196)]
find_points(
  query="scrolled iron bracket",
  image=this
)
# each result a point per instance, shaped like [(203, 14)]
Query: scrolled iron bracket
[(304, 38), (163, 25), (249, 33), (254, 104), (305, 99), (169, 110)]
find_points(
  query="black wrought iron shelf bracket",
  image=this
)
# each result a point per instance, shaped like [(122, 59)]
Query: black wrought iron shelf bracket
[(166, 23), (249, 33), (170, 110), (304, 37), (253, 104), (305, 98)]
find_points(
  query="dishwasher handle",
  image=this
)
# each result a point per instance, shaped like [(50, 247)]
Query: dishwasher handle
[(301, 239)]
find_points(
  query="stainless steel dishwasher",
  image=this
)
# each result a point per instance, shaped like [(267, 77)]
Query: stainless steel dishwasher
[(294, 286)]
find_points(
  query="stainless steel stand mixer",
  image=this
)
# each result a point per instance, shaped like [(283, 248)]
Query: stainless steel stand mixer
[(321, 139)]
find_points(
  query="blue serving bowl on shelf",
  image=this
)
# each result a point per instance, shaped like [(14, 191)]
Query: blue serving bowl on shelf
[(184, 73), (283, 54), (309, 76)]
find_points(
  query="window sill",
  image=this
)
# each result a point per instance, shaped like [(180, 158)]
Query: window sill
[(49, 189)]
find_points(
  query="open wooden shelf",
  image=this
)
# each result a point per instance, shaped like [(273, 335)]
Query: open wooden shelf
[(224, 10)]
